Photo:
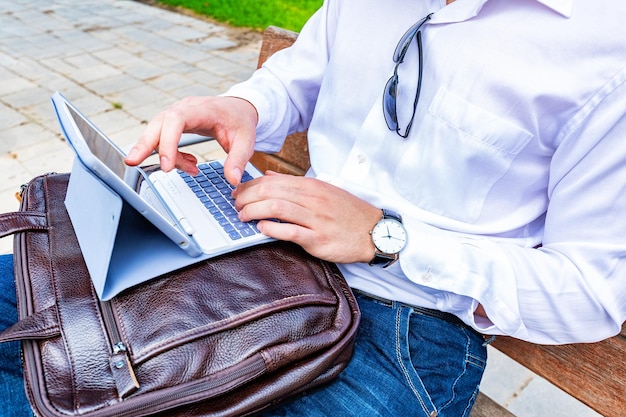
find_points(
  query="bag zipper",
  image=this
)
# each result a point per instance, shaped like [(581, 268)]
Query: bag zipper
[(18, 259), (119, 358), (29, 352), (177, 396)]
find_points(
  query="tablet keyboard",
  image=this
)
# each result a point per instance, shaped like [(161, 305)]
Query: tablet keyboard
[(211, 187)]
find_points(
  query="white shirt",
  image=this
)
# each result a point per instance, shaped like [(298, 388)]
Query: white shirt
[(519, 140)]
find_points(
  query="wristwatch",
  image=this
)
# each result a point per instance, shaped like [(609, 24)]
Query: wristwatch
[(389, 237)]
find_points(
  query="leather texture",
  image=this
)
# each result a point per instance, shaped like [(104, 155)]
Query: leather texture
[(229, 336)]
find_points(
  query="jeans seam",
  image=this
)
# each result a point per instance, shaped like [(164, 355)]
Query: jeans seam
[(403, 367), (471, 358), (468, 355), (470, 403)]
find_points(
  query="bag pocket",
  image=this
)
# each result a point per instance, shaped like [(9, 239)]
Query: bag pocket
[(234, 318)]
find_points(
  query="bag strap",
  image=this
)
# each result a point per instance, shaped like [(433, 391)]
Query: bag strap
[(22, 221), (43, 324)]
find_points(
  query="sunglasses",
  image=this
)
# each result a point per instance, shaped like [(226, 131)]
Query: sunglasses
[(390, 94)]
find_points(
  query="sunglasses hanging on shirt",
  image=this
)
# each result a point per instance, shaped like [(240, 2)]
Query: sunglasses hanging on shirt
[(390, 94)]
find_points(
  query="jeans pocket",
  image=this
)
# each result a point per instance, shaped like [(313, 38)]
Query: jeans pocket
[(449, 361)]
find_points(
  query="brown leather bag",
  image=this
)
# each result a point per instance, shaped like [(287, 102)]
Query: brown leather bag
[(230, 336)]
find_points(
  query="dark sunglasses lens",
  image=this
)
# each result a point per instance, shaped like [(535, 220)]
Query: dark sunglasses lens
[(406, 39), (389, 103), (403, 45)]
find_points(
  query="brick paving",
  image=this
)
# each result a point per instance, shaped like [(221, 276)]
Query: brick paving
[(119, 61)]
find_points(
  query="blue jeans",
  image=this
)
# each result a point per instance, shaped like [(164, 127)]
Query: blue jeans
[(405, 363), (13, 400)]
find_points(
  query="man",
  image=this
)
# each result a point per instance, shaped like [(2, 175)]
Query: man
[(485, 138), (499, 141), (495, 131)]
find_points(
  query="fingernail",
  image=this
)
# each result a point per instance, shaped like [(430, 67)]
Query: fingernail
[(164, 162), (132, 154), (238, 174)]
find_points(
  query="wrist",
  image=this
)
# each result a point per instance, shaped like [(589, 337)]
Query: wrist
[(369, 247)]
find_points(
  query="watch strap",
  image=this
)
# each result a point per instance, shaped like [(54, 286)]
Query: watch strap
[(383, 259), (390, 214)]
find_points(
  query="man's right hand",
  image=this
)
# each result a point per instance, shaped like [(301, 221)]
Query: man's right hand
[(231, 121)]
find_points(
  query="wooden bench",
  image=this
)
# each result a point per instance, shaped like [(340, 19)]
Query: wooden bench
[(594, 373)]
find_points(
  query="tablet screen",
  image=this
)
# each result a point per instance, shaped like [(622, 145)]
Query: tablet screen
[(102, 149)]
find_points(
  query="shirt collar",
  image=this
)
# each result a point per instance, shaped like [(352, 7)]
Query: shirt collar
[(462, 10), (563, 7)]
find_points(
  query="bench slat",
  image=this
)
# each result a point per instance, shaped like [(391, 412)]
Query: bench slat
[(594, 373), (486, 407)]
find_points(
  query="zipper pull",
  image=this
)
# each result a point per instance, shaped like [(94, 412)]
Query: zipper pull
[(20, 193), (122, 371)]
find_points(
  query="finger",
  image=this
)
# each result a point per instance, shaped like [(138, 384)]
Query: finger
[(187, 162), (253, 191), (282, 210), (239, 154), (285, 231), (298, 190), (171, 131), (147, 143)]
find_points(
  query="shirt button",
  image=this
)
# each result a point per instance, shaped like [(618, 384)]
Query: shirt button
[(361, 158), (427, 276)]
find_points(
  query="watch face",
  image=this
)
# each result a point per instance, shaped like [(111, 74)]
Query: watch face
[(389, 236)]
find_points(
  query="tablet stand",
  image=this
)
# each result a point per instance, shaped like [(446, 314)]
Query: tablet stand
[(120, 247)]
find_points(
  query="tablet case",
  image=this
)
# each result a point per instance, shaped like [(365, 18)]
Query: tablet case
[(121, 248)]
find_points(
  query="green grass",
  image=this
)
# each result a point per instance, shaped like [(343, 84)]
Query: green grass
[(255, 14)]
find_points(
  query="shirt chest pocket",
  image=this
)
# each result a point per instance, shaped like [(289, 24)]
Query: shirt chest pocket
[(456, 155)]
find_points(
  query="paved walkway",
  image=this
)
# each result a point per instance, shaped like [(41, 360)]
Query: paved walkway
[(121, 62)]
